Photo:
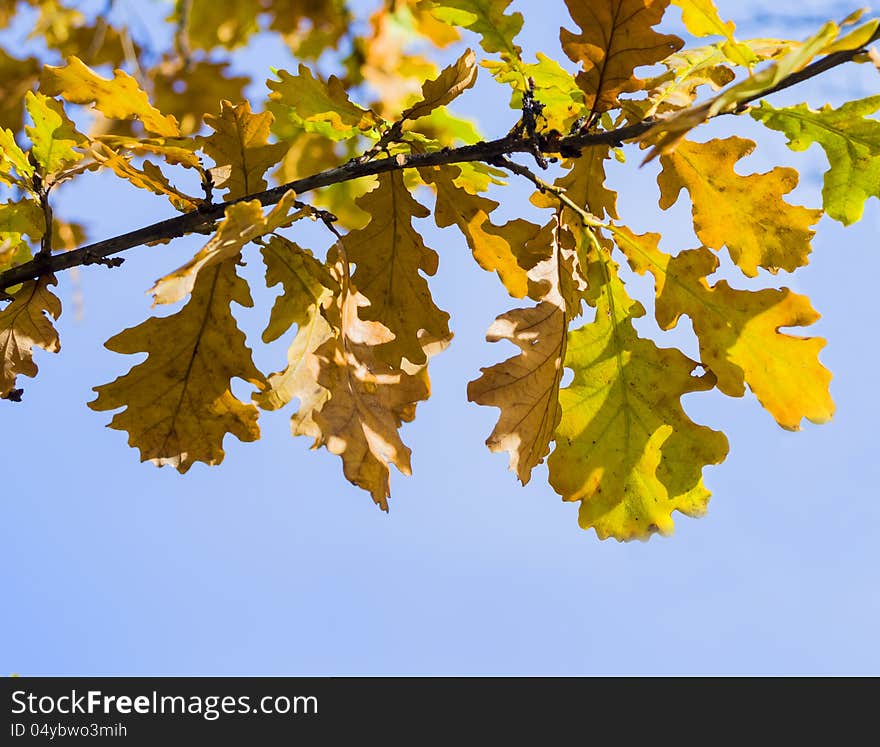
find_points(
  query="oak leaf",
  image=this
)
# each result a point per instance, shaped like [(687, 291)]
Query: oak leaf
[(26, 323), (240, 149), (739, 331), (624, 446), (495, 248), (391, 256), (366, 403), (526, 387), (321, 107), (441, 90), (307, 286), (616, 37), (851, 142), (178, 403), (119, 98), (53, 136), (745, 213), (305, 281)]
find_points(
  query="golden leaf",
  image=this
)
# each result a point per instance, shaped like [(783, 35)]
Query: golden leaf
[(526, 387), (366, 403), (616, 37), (738, 331), (305, 281), (240, 149), (178, 402), (745, 213), (25, 324), (119, 98), (447, 86), (391, 257)]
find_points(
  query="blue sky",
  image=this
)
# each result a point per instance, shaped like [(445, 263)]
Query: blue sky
[(273, 564)]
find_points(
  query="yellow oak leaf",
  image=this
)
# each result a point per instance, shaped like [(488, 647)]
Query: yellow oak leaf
[(307, 287), (243, 223), (391, 257), (624, 446), (616, 37), (495, 248), (26, 323), (526, 387), (240, 149), (53, 136), (150, 177), (178, 402), (367, 400), (745, 213), (299, 380), (739, 331), (305, 281), (321, 107), (15, 168), (455, 79), (119, 98)]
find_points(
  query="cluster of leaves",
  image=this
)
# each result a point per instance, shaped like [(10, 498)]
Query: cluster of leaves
[(360, 316)]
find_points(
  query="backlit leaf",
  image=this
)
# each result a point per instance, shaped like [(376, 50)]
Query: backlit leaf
[(616, 37), (52, 134), (745, 213), (119, 98), (624, 446), (26, 323), (447, 86), (240, 149), (367, 400), (495, 248), (739, 331), (178, 402), (321, 107), (851, 142), (391, 256)]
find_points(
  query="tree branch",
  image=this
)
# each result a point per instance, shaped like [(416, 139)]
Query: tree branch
[(487, 152)]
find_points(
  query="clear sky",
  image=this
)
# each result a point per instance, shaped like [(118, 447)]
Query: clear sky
[(273, 564)]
